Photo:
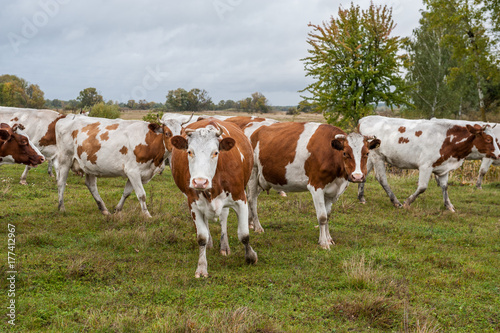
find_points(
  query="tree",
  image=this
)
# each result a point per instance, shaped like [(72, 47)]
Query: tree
[(89, 97), (355, 64), (256, 103), (430, 64), (473, 49), (193, 100), (16, 92)]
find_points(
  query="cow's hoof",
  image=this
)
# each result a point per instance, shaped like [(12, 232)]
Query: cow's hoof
[(325, 246), (283, 194), (23, 182), (200, 274), (251, 256), (105, 212), (259, 230), (225, 253)]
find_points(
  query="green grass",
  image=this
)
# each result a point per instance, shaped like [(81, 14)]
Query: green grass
[(421, 269)]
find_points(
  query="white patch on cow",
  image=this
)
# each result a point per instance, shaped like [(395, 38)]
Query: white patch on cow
[(295, 172), (356, 142)]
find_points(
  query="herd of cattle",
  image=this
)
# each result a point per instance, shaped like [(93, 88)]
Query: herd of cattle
[(225, 162)]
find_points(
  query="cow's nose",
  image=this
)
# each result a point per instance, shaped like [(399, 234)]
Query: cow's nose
[(42, 159), (357, 177), (200, 183)]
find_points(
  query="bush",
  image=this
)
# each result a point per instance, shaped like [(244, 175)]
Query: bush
[(153, 117), (102, 110)]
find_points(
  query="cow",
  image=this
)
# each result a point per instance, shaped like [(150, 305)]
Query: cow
[(486, 162), (16, 147), (39, 126), (99, 147), (211, 164), (314, 157), (431, 146)]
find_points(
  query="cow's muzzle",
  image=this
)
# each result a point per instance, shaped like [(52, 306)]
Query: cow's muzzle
[(356, 178), (200, 183), (36, 160)]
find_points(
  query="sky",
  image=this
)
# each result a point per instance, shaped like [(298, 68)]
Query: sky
[(142, 49)]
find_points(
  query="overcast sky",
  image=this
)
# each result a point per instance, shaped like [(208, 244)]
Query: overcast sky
[(142, 49)]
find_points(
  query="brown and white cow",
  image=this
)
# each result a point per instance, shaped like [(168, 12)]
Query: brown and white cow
[(101, 147), (211, 164), (314, 157), (486, 162), (431, 146), (16, 147), (39, 125)]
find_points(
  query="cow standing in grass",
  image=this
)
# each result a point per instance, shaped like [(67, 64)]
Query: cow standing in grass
[(211, 164), (99, 147), (298, 157), (431, 146), (39, 125), (16, 147)]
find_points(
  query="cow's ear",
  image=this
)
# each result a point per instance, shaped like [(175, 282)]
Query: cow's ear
[(476, 129), (179, 142), (226, 144), (375, 143), (4, 135), (337, 144), (155, 127)]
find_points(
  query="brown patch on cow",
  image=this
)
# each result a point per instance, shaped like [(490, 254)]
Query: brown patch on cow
[(152, 151), (14, 119), (244, 122), (74, 134), (124, 150), (403, 140), (112, 127), (104, 136), (325, 163), (418, 133), (90, 145), (402, 129), (50, 137), (279, 137), (458, 144)]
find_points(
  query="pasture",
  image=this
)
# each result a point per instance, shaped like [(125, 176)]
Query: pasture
[(421, 269)]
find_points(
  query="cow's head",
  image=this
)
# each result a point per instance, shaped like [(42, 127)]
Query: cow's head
[(203, 146), (355, 148), (485, 140), (15, 146)]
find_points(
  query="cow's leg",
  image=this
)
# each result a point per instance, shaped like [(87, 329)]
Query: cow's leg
[(224, 242), (485, 165), (135, 181), (361, 186), (23, 181), (380, 175), (241, 209), (254, 190), (62, 176), (424, 175), (91, 182), (329, 201), (50, 165), (126, 193), (443, 182), (202, 236), (322, 216)]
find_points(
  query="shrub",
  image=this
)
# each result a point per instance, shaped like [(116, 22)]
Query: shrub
[(105, 111)]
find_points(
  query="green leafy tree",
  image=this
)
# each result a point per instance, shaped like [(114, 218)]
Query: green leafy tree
[(89, 97), (355, 64), (469, 38), (16, 92), (256, 103), (103, 110), (193, 100)]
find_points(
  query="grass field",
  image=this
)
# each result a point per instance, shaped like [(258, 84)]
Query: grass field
[(421, 269)]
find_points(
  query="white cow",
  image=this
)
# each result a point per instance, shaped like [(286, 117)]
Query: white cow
[(431, 146)]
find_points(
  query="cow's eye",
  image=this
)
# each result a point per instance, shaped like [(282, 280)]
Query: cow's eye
[(215, 154), (190, 153)]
